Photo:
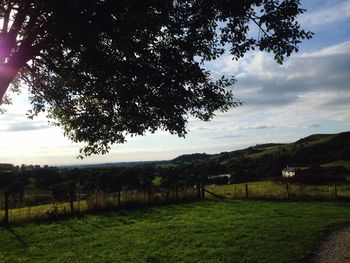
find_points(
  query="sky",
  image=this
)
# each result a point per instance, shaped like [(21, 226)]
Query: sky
[(308, 94)]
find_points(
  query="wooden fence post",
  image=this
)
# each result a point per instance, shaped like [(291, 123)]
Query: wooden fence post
[(198, 190), (246, 191), (118, 198), (202, 190), (167, 196), (287, 188), (149, 196), (6, 219), (79, 191), (335, 191), (71, 203)]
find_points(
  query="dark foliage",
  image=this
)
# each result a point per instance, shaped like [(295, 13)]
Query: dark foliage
[(105, 69), (319, 175)]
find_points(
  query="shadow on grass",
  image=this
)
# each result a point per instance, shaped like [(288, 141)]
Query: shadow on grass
[(135, 210), (16, 236)]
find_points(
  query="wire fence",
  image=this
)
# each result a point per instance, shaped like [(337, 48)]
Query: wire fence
[(41, 206), (283, 191), (21, 210)]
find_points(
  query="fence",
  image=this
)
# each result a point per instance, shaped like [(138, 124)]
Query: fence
[(283, 191), (20, 211), (41, 206)]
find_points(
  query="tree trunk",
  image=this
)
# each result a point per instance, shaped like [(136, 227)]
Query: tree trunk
[(4, 84)]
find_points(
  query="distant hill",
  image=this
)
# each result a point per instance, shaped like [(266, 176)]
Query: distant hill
[(267, 160), (262, 160), (111, 165), (192, 157)]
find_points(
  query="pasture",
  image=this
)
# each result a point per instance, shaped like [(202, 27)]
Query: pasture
[(278, 191), (203, 231), (259, 190)]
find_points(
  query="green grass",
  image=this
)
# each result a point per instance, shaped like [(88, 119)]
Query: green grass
[(341, 163), (96, 202), (256, 190), (277, 190), (265, 151), (207, 231), (156, 181), (287, 148), (17, 215)]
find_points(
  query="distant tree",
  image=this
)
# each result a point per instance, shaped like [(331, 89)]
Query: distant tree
[(173, 177), (105, 181), (146, 176), (5, 179), (12, 185), (129, 178), (104, 68), (65, 191), (44, 178), (59, 192), (6, 167)]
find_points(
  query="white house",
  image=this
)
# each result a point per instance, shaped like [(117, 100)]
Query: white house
[(289, 171)]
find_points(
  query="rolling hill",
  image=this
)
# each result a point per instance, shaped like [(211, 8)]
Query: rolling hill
[(267, 160)]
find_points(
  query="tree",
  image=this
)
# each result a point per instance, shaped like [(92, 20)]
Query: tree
[(103, 69)]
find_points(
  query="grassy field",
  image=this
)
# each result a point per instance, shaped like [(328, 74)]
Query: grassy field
[(96, 202), (341, 163), (205, 231), (277, 190), (256, 190), (18, 215)]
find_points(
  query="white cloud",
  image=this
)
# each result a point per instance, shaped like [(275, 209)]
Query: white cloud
[(332, 13), (337, 49), (309, 91)]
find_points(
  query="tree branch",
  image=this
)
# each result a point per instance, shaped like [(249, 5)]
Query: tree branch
[(17, 24), (6, 18), (259, 26)]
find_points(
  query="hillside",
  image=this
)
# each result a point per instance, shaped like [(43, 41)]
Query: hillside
[(267, 160)]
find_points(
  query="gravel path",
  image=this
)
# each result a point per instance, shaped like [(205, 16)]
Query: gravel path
[(335, 249)]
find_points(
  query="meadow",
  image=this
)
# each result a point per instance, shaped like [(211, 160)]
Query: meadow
[(277, 190), (202, 231), (259, 190)]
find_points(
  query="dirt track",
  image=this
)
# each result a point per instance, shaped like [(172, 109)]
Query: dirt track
[(335, 249)]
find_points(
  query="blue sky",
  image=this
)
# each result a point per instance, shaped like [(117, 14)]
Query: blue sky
[(308, 94)]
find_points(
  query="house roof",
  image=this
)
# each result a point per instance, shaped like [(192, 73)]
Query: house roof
[(291, 169)]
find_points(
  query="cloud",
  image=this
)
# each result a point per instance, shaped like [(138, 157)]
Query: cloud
[(308, 89), (18, 127), (328, 14), (313, 125), (229, 136), (263, 83), (261, 127), (14, 122)]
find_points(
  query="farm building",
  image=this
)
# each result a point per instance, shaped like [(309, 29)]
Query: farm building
[(290, 171)]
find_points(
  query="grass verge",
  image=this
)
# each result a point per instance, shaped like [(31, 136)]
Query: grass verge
[(206, 231)]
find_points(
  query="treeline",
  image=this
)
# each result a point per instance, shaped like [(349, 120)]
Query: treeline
[(63, 184)]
